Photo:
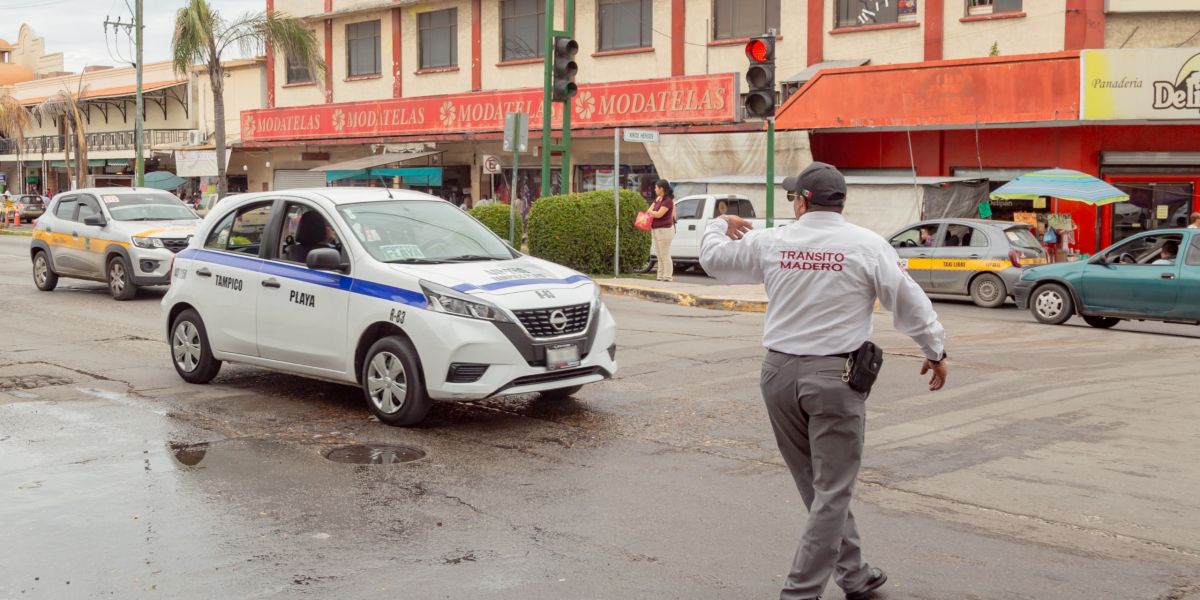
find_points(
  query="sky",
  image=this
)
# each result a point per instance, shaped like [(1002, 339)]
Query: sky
[(76, 27)]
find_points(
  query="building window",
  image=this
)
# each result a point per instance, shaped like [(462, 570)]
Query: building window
[(439, 38), (987, 7), (734, 19), (297, 72), (362, 49), (860, 13), (625, 24), (522, 29)]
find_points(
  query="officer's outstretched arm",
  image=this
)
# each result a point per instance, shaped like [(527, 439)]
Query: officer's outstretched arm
[(912, 312), (728, 260)]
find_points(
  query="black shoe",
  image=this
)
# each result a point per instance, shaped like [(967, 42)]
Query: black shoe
[(874, 582)]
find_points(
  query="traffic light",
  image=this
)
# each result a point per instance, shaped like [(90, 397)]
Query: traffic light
[(565, 68), (760, 77)]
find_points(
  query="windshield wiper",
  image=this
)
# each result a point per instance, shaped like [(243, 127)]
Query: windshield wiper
[(472, 258), (414, 261)]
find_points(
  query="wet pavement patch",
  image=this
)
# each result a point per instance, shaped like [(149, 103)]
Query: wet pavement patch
[(374, 454)]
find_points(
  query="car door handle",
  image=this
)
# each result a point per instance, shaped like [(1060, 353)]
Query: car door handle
[(973, 256), (1168, 276), (74, 234), (691, 227), (204, 272), (271, 282)]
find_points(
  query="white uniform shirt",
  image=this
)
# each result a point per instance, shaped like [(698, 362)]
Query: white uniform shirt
[(822, 276)]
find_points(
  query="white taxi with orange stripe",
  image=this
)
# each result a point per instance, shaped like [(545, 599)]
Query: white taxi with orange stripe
[(125, 237), (979, 258)]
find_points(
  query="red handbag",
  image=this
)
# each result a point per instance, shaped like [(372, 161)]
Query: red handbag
[(643, 221)]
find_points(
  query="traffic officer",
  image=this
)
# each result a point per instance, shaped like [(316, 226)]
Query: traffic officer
[(822, 277)]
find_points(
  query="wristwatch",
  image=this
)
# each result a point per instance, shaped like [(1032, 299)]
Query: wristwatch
[(939, 360)]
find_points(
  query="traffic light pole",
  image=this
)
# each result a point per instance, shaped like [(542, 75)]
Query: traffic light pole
[(564, 145), (770, 172)]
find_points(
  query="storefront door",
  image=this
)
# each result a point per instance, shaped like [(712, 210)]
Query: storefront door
[(1151, 205)]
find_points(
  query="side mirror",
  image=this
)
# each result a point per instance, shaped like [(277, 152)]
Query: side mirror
[(325, 259), (95, 220)]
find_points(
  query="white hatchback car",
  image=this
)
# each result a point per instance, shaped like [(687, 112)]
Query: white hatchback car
[(399, 292)]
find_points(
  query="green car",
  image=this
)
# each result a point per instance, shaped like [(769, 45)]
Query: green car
[(1152, 276)]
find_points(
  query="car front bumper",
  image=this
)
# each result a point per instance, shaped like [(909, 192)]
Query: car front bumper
[(514, 365), (1021, 293), (151, 266)]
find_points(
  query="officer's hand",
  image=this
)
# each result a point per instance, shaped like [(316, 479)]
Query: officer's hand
[(737, 226), (939, 374)]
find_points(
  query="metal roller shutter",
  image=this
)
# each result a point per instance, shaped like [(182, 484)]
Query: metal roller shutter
[(290, 179)]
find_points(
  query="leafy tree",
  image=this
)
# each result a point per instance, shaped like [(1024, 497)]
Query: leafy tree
[(202, 36)]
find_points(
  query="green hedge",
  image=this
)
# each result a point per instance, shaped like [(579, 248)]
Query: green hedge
[(576, 230), (495, 217)]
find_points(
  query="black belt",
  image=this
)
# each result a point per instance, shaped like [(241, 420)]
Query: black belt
[(844, 355)]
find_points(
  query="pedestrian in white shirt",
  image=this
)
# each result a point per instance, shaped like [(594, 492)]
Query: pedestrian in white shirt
[(822, 277), (1195, 221)]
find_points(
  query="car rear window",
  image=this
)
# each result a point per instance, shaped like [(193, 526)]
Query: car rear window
[(1021, 237)]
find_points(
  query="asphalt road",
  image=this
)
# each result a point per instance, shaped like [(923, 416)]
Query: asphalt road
[(1057, 465)]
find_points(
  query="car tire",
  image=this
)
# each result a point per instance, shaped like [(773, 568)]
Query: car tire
[(387, 360), (1101, 322), (561, 393), (190, 351), (120, 279), (44, 276), (988, 291), (646, 267), (1051, 304)]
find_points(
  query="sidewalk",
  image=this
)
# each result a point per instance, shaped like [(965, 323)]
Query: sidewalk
[(744, 298), (25, 229)]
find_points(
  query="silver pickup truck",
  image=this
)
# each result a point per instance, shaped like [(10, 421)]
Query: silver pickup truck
[(692, 214)]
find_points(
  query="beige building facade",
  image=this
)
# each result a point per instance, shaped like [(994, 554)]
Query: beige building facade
[(178, 117), (426, 59)]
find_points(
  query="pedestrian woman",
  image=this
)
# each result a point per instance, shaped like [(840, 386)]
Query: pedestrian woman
[(662, 229)]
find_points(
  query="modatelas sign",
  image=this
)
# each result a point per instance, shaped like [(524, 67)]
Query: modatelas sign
[(1153, 84)]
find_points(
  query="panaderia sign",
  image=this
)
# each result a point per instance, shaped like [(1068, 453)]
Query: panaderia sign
[(681, 100), (1152, 84)]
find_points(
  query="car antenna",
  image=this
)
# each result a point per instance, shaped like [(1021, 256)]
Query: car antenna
[(386, 188)]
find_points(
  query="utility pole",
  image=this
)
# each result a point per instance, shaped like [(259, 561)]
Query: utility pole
[(139, 167), (133, 30)]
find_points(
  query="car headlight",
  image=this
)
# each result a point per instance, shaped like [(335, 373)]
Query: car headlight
[(445, 300), (147, 242)]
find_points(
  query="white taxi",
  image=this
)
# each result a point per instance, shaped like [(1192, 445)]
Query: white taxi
[(399, 292)]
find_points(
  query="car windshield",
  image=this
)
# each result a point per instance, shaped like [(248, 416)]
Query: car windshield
[(146, 207), (1022, 238), (422, 231)]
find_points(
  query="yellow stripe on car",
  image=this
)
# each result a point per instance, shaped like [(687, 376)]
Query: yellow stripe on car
[(954, 264)]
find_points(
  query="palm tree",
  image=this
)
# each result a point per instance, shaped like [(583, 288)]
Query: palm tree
[(202, 37), (14, 120), (67, 107)]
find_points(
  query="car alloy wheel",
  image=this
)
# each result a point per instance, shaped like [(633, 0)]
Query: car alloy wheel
[(186, 346), (387, 383), (40, 270)]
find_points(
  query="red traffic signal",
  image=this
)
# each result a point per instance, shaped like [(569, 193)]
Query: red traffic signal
[(760, 50)]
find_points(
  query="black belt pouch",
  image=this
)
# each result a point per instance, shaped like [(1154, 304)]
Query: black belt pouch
[(863, 367)]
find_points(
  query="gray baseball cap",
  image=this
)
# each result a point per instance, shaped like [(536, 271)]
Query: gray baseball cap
[(820, 182)]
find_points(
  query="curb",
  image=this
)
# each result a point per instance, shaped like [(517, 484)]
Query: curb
[(683, 298), (16, 232)]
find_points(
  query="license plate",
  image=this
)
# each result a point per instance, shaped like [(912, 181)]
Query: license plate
[(562, 356)]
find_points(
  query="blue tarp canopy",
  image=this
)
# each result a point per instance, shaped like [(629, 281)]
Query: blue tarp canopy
[(163, 180)]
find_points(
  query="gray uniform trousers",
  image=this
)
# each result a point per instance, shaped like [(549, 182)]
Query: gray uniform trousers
[(819, 424)]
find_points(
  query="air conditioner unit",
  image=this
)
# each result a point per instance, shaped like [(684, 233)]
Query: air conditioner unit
[(196, 137)]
